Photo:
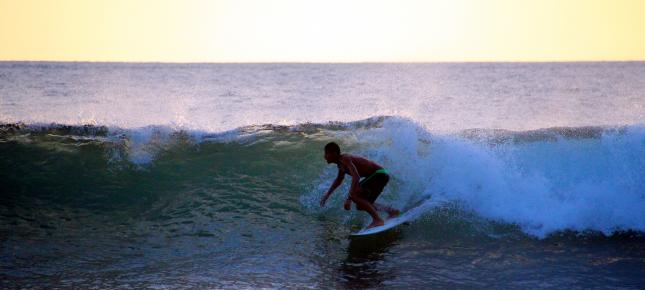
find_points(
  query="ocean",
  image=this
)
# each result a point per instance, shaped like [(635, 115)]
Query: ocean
[(146, 175)]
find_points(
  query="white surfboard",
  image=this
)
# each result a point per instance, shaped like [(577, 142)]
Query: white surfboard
[(393, 222)]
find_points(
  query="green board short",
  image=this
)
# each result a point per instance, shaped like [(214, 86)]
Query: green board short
[(372, 186)]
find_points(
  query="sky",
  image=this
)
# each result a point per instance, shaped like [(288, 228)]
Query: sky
[(322, 31)]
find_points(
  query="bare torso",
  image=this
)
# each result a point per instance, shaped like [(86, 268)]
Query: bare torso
[(363, 166)]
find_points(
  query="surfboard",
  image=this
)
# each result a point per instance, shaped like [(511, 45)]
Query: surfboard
[(390, 223), (393, 222)]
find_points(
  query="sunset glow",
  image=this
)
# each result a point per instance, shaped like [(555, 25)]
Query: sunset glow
[(321, 31)]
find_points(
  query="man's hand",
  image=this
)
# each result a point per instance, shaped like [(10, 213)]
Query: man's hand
[(348, 204)]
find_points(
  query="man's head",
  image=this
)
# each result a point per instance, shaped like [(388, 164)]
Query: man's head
[(332, 152)]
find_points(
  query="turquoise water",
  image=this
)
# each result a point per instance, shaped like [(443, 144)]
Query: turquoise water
[(135, 198)]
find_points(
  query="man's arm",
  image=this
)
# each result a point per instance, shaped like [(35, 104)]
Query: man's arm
[(337, 182), (355, 181), (347, 161)]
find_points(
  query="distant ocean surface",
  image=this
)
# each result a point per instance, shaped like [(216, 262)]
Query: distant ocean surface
[(123, 175)]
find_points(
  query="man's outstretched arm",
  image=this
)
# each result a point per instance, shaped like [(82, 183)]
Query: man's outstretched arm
[(336, 184)]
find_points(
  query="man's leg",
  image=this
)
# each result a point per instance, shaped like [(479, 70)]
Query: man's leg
[(391, 212), (362, 204)]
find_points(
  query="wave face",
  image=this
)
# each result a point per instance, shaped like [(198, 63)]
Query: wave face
[(542, 181)]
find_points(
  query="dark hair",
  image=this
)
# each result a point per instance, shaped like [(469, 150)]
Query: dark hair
[(332, 147)]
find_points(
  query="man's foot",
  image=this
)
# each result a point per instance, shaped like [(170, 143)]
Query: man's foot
[(393, 213), (376, 223)]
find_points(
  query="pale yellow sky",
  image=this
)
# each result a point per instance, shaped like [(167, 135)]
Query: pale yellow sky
[(322, 31)]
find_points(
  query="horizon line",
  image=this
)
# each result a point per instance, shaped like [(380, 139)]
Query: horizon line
[(324, 62)]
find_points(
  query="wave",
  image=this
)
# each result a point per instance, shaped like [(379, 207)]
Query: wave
[(541, 181)]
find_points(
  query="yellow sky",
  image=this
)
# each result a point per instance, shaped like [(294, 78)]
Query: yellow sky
[(322, 31)]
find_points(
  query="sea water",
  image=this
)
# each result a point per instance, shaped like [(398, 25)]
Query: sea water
[(531, 175)]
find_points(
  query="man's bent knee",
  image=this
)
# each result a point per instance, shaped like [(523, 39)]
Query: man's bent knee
[(354, 196)]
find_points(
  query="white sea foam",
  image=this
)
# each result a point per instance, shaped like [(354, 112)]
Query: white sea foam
[(542, 186)]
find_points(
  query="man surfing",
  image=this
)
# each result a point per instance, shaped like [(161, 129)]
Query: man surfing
[(363, 192)]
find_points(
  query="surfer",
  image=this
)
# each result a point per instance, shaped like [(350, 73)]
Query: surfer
[(363, 192)]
